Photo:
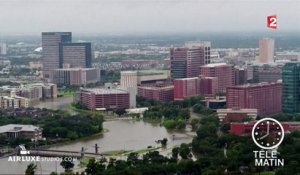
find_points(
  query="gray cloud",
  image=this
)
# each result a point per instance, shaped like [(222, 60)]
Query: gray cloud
[(151, 16)]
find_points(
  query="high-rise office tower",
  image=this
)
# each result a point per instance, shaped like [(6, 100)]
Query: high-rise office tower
[(51, 50), (129, 83), (266, 50), (76, 55), (186, 60), (291, 85)]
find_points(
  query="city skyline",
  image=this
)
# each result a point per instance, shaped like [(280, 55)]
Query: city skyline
[(132, 16)]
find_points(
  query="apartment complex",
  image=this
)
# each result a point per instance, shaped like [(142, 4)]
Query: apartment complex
[(26, 95), (265, 97)]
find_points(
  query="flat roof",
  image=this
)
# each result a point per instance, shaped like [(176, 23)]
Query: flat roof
[(17, 128), (256, 84), (76, 68), (215, 65), (237, 110), (105, 91), (157, 87)]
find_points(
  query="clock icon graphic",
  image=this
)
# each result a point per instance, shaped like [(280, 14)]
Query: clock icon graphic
[(267, 133)]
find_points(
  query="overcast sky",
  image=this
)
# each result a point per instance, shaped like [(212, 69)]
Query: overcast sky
[(144, 16)]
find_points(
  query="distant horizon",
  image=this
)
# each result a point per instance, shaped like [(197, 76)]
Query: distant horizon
[(271, 32)]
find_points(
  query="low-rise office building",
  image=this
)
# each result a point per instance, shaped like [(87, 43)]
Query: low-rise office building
[(75, 76), (25, 131), (236, 115), (101, 98)]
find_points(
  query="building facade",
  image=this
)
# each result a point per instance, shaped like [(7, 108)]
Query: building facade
[(265, 97), (291, 84), (98, 98), (186, 60), (163, 93), (245, 128), (75, 76), (76, 55), (236, 115), (240, 76), (266, 73), (51, 50), (266, 50), (222, 71), (3, 48), (129, 81), (185, 87)]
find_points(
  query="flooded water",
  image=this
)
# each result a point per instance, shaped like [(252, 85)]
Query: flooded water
[(119, 135)]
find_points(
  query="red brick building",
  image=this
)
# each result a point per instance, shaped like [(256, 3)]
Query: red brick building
[(185, 87), (246, 127), (265, 97), (186, 60), (104, 98), (163, 93), (188, 87), (222, 71), (236, 115), (208, 86)]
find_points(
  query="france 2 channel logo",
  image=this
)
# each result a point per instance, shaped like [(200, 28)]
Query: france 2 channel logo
[(272, 21)]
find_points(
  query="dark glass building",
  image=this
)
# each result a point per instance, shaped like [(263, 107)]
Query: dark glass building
[(76, 55), (51, 50), (291, 87), (60, 52)]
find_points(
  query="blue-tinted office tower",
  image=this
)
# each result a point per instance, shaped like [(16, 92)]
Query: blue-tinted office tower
[(76, 55)]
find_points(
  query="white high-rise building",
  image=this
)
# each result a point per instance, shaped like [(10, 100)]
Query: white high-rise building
[(129, 83), (3, 49), (266, 50)]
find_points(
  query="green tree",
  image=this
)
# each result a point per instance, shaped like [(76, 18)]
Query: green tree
[(185, 151), (164, 142), (120, 111), (67, 164), (30, 169)]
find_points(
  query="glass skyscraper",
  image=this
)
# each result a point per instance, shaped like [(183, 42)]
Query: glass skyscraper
[(291, 87)]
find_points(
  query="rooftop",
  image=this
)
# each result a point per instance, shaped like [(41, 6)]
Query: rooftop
[(215, 65), (18, 128), (75, 68), (157, 87), (257, 84), (105, 91)]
